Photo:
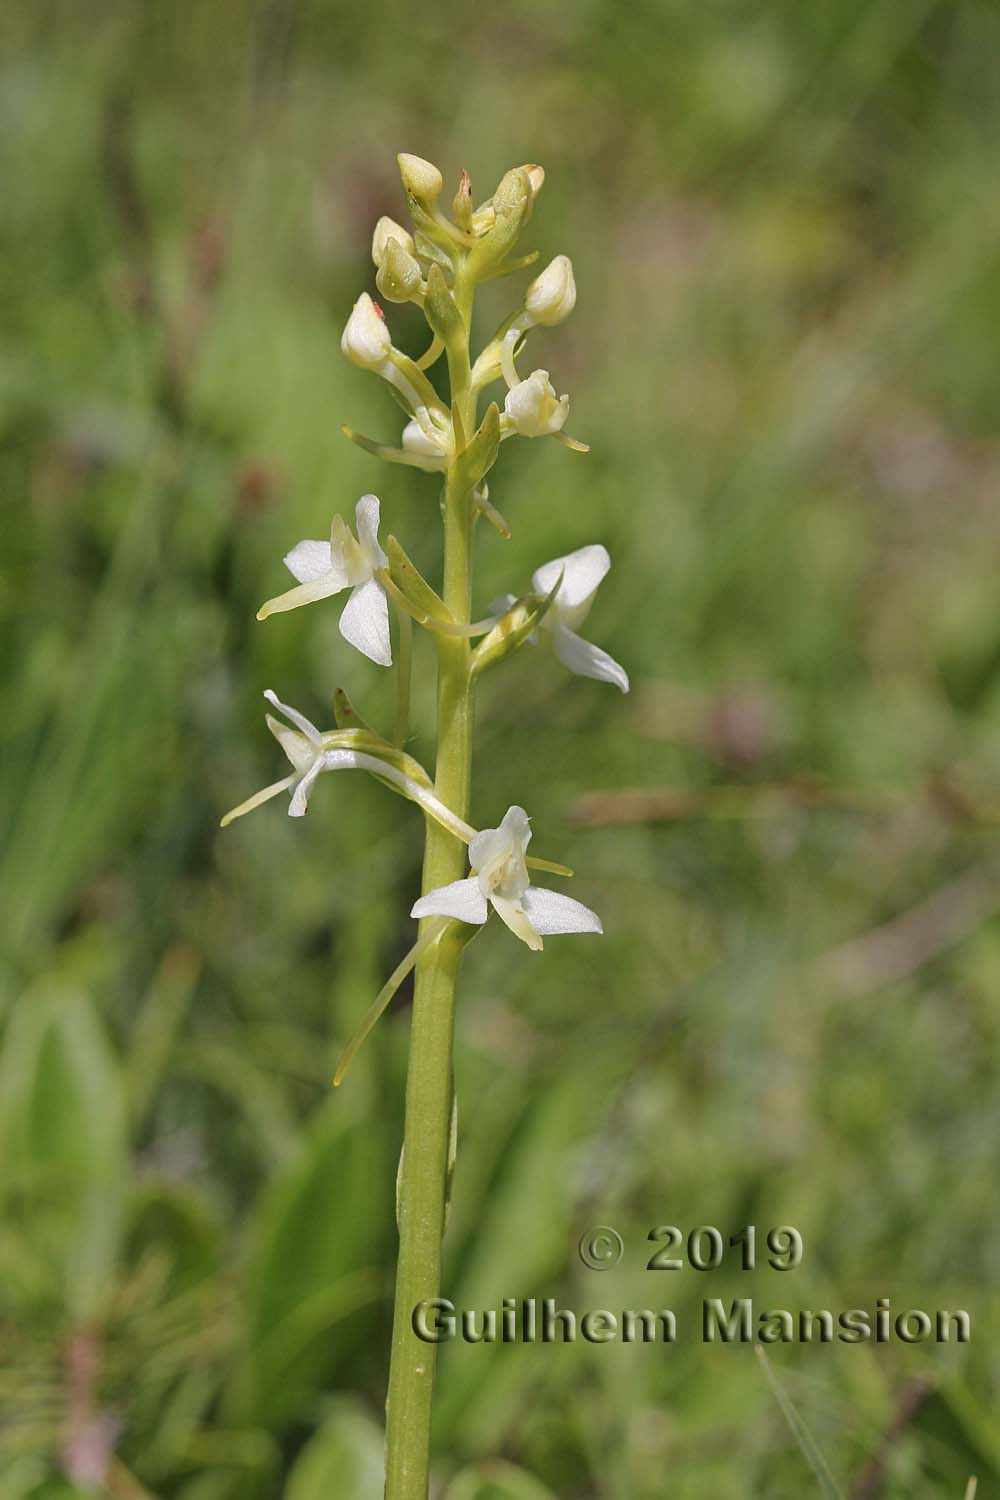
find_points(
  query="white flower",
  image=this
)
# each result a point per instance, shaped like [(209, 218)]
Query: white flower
[(500, 878), (387, 229), (325, 568), (304, 748), (551, 297), (366, 340), (311, 752), (582, 572), (420, 177), (533, 408)]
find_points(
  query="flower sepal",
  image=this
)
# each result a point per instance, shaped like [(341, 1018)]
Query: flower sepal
[(414, 458)]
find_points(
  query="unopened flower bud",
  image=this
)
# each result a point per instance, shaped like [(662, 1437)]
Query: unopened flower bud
[(398, 276), (551, 297), (420, 178), (533, 407), (462, 204), (366, 340), (416, 440), (536, 176), (387, 229)]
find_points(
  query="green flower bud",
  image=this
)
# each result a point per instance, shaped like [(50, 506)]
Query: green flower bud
[(387, 229), (462, 203), (421, 178), (398, 277), (511, 207)]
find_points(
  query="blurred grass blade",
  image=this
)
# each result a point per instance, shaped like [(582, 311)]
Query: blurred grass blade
[(344, 1458), (497, 1480), (801, 1434)]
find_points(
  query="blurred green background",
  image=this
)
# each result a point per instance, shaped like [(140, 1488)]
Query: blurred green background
[(784, 220)]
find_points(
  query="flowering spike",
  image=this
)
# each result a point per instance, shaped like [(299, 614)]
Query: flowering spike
[(438, 267)]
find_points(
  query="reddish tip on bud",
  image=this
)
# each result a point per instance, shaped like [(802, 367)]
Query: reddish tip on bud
[(462, 205)]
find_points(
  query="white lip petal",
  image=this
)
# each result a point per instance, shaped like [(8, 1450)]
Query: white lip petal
[(583, 572), (255, 801), (292, 714), (549, 913), (300, 797), (303, 593), (365, 622), (367, 515), (462, 899), (309, 561), (588, 660), (512, 912)]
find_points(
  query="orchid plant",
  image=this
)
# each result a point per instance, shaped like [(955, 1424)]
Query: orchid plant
[(439, 267)]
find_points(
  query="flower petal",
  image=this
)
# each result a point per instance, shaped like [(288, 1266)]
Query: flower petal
[(586, 659), (256, 800), (303, 593), (299, 750), (366, 517), (550, 912), (294, 717), (462, 899), (492, 846), (365, 622), (514, 915), (300, 797), (308, 561), (582, 570)]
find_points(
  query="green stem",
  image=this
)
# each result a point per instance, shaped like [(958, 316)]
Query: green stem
[(403, 672), (424, 1167)]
